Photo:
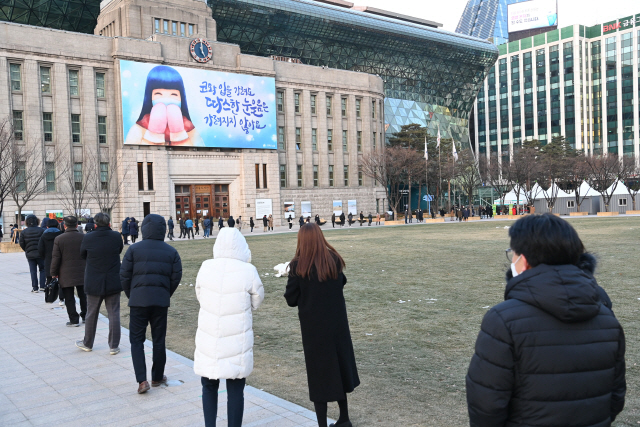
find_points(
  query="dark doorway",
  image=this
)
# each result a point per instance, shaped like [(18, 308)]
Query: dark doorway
[(146, 208)]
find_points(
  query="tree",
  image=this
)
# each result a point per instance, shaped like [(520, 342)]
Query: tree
[(554, 162), (8, 166), (574, 175), (523, 171), (78, 184), (467, 174), (492, 173), (108, 189), (30, 164), (632, 181), (603, 175)]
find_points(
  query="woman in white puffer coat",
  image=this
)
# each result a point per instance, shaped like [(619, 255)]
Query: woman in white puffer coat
[(228, 287)]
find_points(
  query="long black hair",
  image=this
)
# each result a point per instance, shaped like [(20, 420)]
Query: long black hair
[(163, 77)]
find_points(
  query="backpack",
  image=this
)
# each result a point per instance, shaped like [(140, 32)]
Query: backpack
[(51, 291)]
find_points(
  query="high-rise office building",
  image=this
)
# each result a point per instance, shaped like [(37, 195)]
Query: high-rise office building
[(578, 82), (486, 19)]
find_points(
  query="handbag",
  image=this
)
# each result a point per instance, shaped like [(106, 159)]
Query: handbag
[(51, 291)]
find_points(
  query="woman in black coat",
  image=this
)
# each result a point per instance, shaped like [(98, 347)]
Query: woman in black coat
[(315, 286), (133, 230), (551, 354)]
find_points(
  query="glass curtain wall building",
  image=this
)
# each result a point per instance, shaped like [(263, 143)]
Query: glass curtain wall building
[(70, 15), (431, 76), (486, 19), (579, 82)]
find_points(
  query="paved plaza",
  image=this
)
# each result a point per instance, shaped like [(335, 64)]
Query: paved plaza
[(46, 380)]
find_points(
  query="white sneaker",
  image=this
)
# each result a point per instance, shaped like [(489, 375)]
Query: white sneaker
[(61, 303)]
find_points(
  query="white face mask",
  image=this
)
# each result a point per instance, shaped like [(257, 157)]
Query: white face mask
[(167, 101), (514, 272)]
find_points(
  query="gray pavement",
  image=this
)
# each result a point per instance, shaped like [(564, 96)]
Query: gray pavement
[(46, 380)]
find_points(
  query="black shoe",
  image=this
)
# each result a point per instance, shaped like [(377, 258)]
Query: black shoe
[(34, 291), (344, 424), (70, 324)]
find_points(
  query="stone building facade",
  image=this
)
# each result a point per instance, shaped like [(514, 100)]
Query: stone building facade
[(62, 91)]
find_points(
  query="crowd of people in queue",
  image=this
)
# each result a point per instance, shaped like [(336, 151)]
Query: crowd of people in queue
[(551, 354)]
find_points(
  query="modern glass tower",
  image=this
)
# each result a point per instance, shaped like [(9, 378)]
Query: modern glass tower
[(486, 19), (70, 15)]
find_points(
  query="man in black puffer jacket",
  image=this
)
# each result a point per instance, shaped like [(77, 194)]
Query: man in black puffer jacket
[(150, 273), (551, 354), (29, 239), (45, 249)]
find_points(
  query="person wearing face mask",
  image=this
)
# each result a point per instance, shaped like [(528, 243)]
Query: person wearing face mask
[(551, 354), (164, 117)]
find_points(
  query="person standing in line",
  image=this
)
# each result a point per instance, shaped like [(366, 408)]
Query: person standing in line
[(206, 225), (29, 241), (290, 221), (188, 228), (44, 223), (377, 218), (265, 223), (239, 223), (170, 227), (361, 218), (68, 266), (333, 220), (341, 219), (350, 218), (150, 273), (406, 216), (271, 222), (45, 249), (220, 223), (231, 222), (133, 230), (125, 230), (317, 219), (251, 223), (370, 218), (91, 225), (196, 224), (552, 353), (301, 221), (226, 353), (315, 285), (181, 225), (101, 249)]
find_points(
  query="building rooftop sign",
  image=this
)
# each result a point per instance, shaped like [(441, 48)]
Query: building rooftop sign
[(621, 24)]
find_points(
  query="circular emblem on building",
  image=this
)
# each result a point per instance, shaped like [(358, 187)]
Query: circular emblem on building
[(200, 50)]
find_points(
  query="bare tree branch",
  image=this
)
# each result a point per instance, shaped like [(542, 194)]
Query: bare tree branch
[(8, 166)]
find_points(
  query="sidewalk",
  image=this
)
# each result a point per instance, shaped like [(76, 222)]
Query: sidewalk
[(46, 380)]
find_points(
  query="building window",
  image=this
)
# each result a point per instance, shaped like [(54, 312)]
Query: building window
[(18, 127), (73, 82), (298, 138), (330, 139), (358, 102), (264, 176), (345, 141), (314, 139), (281, 141), (283, 176), (102, 129), (21, 177), (47, 125), (346, 176), (140, 177), (166, 26), (50, 172), (77, 176), (373, 109), (296, 101), (191, 29), (359, 177), (150, 176), (313, 104), (183, 29), (299, 172), (374, 140), (343, 103), (280, 102), (571, 203), (328, 105), (16, 77), (315, 176), (100, 85), (75, 128), (45, 79), (157, 25), (330, 175), (257, 175), (104, 176), (622, 202), (174, 28), (359, 140)]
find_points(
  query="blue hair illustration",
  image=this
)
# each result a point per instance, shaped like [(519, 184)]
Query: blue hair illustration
[(163, 77)]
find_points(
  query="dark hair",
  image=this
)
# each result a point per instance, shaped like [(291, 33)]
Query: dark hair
[(102, 219), (163, 77), (546, 239), (32, 221), (315, 254), (70, 221), (52, 223)]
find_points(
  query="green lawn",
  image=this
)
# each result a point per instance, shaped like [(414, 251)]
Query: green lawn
[(412, 356)]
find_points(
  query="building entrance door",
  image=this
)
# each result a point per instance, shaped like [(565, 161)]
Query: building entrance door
[(203, 201), (199, 201), (221, 201)]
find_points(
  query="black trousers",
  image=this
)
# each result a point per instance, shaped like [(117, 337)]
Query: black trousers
[(235, 401), (182, 231), (139, 318), (70, 303), (125, 238)]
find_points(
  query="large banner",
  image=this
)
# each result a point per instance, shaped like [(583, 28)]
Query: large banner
[(263, 207), (532, 14), (177, 106)]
